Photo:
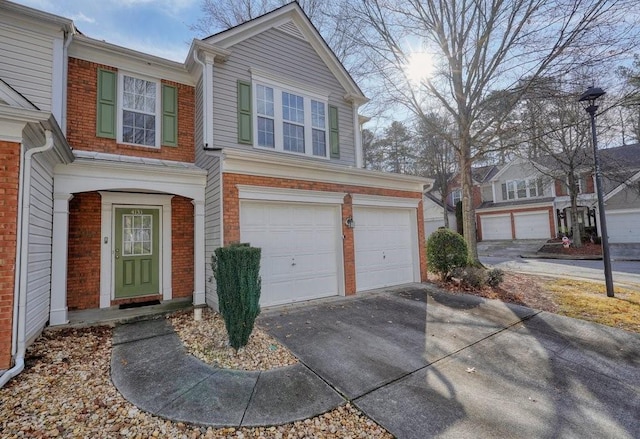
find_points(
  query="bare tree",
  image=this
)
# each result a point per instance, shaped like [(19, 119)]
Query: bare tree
[(562, 147), (483, 46), (435, 155), (372, 151), (630, 110)]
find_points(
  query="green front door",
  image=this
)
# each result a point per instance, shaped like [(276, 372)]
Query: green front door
[(136, 250)]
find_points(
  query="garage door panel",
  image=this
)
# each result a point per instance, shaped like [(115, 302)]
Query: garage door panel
[(496, 227), (532, 225), (384, 247), (622, 227), (300, 248)]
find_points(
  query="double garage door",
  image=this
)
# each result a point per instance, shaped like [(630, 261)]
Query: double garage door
[(302, 248), (526, 225)]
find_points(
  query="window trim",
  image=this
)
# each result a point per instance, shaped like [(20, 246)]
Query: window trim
[(453, 198), (527, 184), (120, 109), (307, 96)]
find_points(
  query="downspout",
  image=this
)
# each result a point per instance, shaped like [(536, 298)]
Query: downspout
[(18, 340), (205, 88)]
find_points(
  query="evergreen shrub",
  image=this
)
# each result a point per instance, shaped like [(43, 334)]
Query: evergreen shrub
[(237, 272), (446, 250)]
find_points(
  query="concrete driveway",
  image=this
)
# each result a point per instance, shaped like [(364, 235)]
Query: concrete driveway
[(424, 363)]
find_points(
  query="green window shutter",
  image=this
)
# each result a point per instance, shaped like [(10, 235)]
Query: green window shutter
[(334, 137), (504, 191), (169, 115), (106, 111), (245, 129)]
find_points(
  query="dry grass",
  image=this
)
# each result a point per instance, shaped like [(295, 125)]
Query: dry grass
[(589, 301)]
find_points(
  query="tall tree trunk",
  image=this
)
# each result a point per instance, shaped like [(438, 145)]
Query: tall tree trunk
[(443, 199), (575, 225), (468, 209)]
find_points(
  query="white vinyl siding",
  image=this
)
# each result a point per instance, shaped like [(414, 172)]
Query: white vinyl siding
[(39, 248), (273, 51), (27, 64)]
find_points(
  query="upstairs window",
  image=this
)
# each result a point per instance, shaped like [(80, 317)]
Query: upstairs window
[(140, 107), (287, 119), (456, 196), (521, 189), (135, 110)]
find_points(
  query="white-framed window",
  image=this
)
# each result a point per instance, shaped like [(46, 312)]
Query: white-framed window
[(456, 195), (520, 189), (139, 114), (290, 120)]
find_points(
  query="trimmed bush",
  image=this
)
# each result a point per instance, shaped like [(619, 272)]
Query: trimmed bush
[(237, 272), (495, 277), (474, 277), (446, 250)]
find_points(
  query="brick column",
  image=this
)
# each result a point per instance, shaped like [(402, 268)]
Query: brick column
[(9, 185), (348, 248)]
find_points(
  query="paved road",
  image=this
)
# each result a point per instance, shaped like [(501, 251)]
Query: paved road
[(624, 272), (426, 364)]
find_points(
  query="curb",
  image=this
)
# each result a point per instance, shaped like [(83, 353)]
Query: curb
[(560, 256)]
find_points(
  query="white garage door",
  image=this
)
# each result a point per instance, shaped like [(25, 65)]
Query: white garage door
[(385, 245), (622, 227), (300, 243), (532, 225), (496, 227)]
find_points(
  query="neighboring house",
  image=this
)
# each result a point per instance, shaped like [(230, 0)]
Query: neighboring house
[(532, 202), (434, 213), (163, 162), (480, 192)]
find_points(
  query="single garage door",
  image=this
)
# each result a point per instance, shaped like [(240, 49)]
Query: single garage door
[(384, 247), (495, 227), (532, 225), (622, 227), (300, 243)]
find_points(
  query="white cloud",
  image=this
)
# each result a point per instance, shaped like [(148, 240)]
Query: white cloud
[(81, 18)]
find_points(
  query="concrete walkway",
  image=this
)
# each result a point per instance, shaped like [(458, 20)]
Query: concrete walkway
[(421, 362), (152, 370)]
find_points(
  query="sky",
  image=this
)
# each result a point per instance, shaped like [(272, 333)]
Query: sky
[(157, 27)]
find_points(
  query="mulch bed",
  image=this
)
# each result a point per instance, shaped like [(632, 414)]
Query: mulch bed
[(556, 247)]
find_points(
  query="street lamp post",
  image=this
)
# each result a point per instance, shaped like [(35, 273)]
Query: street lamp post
[(589, 98)]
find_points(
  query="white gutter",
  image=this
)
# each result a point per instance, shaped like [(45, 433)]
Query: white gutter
[(207, 101), (18, 339)]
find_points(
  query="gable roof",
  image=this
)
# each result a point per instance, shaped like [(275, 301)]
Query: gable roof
[(292, 20), (10, 96), (431, 197)]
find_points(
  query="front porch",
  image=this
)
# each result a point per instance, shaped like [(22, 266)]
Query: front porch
[(114, 315)]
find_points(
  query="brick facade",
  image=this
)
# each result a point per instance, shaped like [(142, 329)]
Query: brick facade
[(231, 216), (83, 269), (9, 184), (182, 246), (81, 116), (83, 273)]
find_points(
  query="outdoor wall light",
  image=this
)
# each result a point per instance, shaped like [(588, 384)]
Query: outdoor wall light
[(349, 222)]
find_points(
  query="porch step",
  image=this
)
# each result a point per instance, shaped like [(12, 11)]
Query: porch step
[(114, 315)]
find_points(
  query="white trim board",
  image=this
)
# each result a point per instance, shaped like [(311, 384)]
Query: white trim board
[(264, 193)]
